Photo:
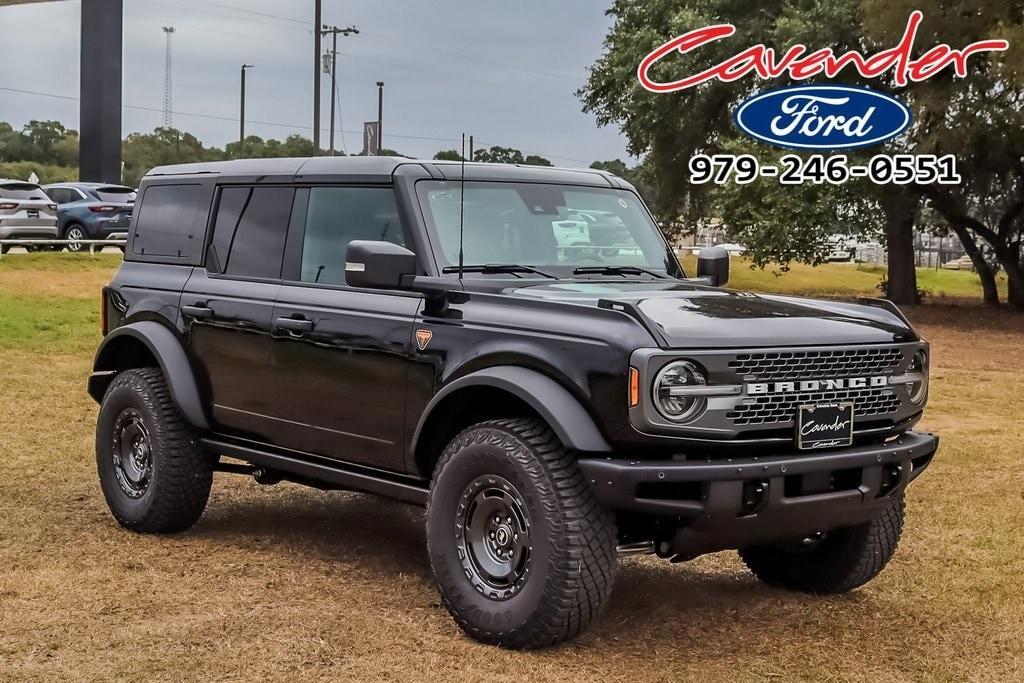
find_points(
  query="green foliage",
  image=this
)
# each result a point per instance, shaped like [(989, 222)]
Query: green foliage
[(47, 173), (508, 155), (448, 155)]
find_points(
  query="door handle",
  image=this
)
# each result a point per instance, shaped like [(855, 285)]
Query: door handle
[(197, 311), (294, 324)]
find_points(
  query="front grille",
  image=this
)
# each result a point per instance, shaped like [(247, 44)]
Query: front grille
[(773, 366), (775, 408)]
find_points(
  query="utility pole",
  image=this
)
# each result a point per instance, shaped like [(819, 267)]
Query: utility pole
[(471, 148), (380, 116), (241, 115), (317, 21), (334, 31)]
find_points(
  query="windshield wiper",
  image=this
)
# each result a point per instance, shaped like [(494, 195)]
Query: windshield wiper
[(617, 270), (488, 268)]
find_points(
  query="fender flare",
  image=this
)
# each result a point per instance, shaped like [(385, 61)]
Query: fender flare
[(553, 402), (169, 354)]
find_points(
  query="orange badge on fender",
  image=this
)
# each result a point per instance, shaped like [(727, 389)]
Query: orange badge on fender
[(423, 338)]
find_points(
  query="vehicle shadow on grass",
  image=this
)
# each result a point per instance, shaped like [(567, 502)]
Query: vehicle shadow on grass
[(329, 526), (653, 599)]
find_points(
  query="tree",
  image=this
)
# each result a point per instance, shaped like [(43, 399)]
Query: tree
[(508, 155), (448, 155), (980, 121), (669, 128)]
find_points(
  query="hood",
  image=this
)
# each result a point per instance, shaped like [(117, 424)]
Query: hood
[(684, 315)]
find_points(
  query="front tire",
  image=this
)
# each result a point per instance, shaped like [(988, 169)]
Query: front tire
[(523, 555), (155, 476), (837, 562)]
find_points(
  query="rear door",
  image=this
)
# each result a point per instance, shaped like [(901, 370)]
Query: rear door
[(340, 354), (227, 307)]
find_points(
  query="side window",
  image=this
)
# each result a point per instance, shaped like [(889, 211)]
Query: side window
[(249, 234), (171, 221), (57, 194), (338, 215)]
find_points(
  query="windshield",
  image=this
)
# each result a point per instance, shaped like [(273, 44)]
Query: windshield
[(556, 228)]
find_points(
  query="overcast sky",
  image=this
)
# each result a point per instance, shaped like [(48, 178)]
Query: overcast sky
[(503, 71)]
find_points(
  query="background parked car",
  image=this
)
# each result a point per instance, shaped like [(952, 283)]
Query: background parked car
[(91, 211), (25, 213)]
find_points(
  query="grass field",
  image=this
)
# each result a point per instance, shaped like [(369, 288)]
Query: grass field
[(288, 583)]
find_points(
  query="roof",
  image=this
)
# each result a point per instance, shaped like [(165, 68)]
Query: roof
[(380, 169), (75, 183)]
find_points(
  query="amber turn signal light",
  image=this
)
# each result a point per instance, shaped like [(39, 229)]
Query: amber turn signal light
[(634, 387)]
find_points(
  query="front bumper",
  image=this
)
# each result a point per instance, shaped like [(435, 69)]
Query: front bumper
[(738, 502)]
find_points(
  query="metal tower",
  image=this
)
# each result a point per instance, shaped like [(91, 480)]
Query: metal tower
[(168, 80)]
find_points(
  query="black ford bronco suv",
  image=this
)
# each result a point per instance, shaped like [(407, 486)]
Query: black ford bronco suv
[(516, 349)]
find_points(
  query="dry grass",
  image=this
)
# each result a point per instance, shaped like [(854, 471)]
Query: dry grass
[(291, 583)]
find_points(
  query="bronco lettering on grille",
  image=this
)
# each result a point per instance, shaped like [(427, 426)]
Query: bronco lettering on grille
[(810, 385)]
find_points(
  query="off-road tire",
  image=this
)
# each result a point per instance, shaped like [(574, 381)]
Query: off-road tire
[(572, 557), (181, 471), (842, 561)]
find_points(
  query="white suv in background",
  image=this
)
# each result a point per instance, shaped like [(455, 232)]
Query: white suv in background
[(25, 213)]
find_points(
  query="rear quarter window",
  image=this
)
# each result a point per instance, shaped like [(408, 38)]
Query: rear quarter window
[(170, 223)]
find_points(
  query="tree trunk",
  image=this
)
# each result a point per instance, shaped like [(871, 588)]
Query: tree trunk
[(1009, 259), (990, 293), (900, 213)]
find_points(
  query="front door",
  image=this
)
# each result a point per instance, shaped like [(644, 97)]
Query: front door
[(340, 355)]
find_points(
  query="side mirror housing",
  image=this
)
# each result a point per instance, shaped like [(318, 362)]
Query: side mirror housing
[(713, 263), (377, 265)]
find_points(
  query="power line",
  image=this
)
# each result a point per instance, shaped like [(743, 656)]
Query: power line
[(277, 124)]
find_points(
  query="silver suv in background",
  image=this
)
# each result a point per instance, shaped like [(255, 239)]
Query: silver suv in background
[(25, 213)]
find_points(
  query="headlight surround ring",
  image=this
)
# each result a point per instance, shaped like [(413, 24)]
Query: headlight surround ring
[(678, 408), (917, 388)]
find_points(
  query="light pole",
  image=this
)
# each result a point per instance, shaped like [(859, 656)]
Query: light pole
[(334, 31), (317, 14), (241, 113), (380, 116)]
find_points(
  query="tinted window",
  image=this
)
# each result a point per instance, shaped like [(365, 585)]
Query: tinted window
[(170, 220), (119, 195), (261, 215), (338, 215), (21, 191), (60, 195)]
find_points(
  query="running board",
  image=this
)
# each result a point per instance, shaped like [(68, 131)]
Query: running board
[(321, 470)]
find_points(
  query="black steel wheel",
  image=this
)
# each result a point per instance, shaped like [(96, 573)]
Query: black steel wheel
[(132, 452), (493, 536), (154, 474), (523, 555)]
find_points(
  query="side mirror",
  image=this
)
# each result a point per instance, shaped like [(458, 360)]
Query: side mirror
[(713, 263), (377, 265)]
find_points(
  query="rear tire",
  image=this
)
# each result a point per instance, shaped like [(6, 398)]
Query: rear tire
[(76, 232), (843, 559), (523, 555), (155, 476)]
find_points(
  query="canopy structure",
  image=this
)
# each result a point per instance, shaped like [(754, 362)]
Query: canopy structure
[(99, 154)]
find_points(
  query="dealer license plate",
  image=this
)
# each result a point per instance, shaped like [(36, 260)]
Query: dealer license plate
[(824, 425)]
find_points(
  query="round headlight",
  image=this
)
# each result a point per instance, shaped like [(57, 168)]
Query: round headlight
[(918, 386), (671, 397)]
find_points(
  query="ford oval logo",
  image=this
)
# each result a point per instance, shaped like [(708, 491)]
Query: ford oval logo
[(822, 117)]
